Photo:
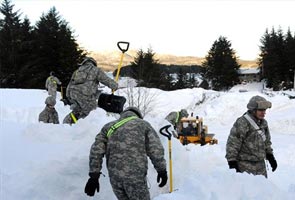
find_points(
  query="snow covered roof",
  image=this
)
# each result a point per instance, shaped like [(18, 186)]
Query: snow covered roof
[(255, 70)]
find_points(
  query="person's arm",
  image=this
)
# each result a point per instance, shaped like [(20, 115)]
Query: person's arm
[(57, 81), (56, 120), (155, 152), (97, 152), (155, 149), (268, 143), (235, 141), (44, 116), (269, 151), (104, 79), (46, 83)]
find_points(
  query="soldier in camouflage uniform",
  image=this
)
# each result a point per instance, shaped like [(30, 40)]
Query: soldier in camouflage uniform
[(51, 84), (127, 147), (174, 119), (82, 90), (49, 114), (249, 141)]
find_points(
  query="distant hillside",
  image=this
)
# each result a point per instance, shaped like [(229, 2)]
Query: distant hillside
[(109, 60)]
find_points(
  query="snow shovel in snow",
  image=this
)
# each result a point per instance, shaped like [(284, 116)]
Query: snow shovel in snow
[(110, 102), (168, 135)]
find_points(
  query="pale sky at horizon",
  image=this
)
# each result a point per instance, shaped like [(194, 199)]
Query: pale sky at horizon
[(184, 28)]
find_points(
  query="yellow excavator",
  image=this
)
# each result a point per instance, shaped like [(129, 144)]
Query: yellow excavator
[(192, 130)]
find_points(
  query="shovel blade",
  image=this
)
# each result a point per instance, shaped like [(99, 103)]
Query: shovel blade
[(111, 103)]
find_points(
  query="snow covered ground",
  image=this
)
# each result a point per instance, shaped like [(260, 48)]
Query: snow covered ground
[(50, 162)]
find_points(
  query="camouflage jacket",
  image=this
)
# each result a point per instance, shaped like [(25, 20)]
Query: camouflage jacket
[(49, 115), (244, 142), (52, 82), (86, 78), (127, 149)]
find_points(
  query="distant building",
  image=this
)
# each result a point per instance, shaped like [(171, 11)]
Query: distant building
[(249, 74)]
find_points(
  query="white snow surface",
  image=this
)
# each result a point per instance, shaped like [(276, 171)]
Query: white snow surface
[(50, 162)]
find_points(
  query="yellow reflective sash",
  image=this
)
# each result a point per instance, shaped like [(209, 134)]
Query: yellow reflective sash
[(73, 117), (118, 124)]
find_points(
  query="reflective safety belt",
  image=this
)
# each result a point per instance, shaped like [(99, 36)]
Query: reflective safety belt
[(255, 126), (73, 118), (118, 124)]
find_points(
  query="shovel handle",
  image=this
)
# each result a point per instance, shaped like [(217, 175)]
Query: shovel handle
[(122, 49), (167, 134)]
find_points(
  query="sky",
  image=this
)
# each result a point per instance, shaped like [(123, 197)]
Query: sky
[(50, 161), (183, 28)]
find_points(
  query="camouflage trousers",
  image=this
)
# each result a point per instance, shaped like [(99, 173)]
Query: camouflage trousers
[(253, 167), (130, 189), (81, 107), (52, 92)]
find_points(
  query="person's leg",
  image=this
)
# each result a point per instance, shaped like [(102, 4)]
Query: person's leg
[(118, 189), (52, 92), (137, 189)]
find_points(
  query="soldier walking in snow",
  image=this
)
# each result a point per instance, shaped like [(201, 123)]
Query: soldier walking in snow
[(82, 90), (127, 142), (51, 84), (174, 119), (249, 141), (49, 114)]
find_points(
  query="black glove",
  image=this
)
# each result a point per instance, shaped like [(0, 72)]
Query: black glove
[(272, 161), (234, 165), (92, 184), (162, 175)]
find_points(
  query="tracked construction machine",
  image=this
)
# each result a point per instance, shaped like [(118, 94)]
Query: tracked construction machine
[(192, 130)]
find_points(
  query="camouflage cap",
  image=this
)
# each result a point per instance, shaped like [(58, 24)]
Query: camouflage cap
[(258, 102), (134, 110), (50, 101), (183, 113)]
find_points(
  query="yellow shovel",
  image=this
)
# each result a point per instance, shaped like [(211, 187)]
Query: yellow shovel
[(168, 135)]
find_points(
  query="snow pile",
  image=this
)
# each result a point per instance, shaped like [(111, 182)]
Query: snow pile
[(46, 161)]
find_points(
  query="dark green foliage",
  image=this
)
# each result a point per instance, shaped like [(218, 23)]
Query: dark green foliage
[(277, 58), (169, 75), (181, 79), (146, 68), (14, 39), (55, 49), (28, 54), (150, 73), (220, 66)]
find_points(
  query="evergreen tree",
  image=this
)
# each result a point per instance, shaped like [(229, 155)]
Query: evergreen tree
[(14, 36), (290, 52), (55, 49), (137, 66), (166, 81), (273, 59), (265, 58), (192, 81), (220, 65), (181, 79), (146, 68)]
